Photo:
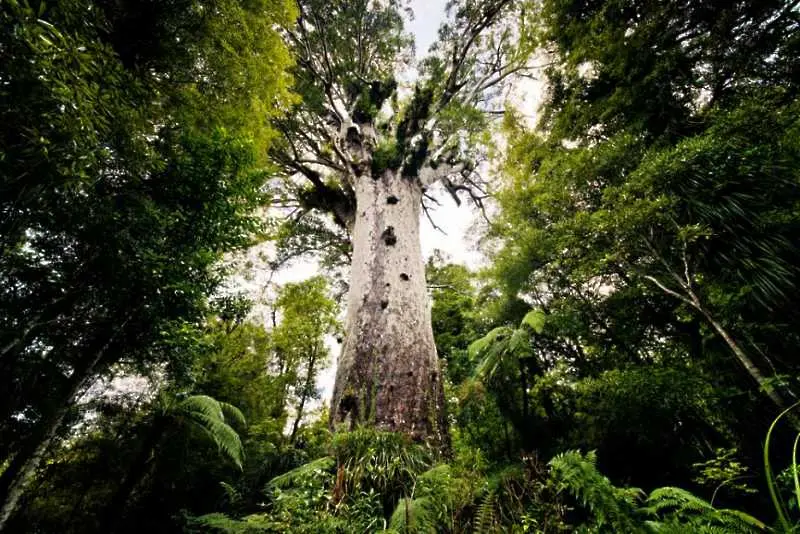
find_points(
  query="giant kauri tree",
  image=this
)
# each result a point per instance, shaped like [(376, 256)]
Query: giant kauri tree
[(363, 150)]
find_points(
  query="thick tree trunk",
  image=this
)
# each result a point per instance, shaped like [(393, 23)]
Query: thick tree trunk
[(388, 373)]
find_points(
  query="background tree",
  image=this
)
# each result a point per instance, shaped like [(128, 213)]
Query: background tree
[(652, 212), (164, 461), (308, 315), (121, 189)]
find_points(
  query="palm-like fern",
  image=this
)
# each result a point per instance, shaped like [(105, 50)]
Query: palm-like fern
[(504, 342), (212, 418)]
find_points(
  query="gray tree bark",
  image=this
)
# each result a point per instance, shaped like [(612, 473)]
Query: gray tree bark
[(388, 374)]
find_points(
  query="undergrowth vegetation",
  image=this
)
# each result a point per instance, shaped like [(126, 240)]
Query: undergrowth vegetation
[(381, 482)]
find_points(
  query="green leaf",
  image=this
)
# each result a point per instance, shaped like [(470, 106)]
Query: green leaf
[(494, 336), (535, 319)]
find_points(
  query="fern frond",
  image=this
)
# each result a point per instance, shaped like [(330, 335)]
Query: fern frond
[(208, 415), (232, 413), (746, 522), (494, 335), (685, 510), (223, 435), (290, 478), (670, 497), (493, 346), (535, 319), (484, 516), (611, 506)]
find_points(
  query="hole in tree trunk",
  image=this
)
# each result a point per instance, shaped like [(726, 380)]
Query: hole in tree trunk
[(388, 236), (384, 304), (404, 277), (353, 135), (392, 199), (348, 409)]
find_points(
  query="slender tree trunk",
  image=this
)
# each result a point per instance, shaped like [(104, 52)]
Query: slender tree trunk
[(307, 384), (745, 360), (20, 472), (691, 298), (388, 372)]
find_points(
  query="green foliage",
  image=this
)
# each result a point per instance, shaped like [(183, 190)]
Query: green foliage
[(412, 515), (724, 472), (301, 474), (682, 510), (652, 215), (128, 168), (385, 462), (214, 418), (666, 509), (504, 342), (612, 507), (454, 315), (386, 156), (774, 492)]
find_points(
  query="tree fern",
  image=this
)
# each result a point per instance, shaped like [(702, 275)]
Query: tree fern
[(505, 341), (208, 415), (491, 347)]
